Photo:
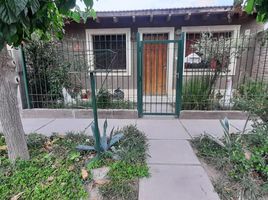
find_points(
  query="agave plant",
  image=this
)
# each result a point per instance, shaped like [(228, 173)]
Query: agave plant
[(105, 142), (227, 142)]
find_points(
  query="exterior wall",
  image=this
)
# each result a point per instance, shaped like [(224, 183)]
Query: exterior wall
[(115, 80), (77, 31)]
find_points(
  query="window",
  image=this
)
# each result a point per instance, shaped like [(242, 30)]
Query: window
[(110, 49), (210, 46), (195, 54)]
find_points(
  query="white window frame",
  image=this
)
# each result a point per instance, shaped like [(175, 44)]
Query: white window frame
[(110, 31), (171, 32), (235, 31)]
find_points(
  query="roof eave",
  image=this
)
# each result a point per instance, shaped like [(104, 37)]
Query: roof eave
[(161, 12)]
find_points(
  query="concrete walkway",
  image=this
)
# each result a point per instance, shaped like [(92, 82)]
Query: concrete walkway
[(176, 173)]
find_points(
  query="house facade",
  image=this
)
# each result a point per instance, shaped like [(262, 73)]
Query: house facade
[(154, 54)]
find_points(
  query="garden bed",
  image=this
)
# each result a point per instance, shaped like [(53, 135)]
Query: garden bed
[(238, 168), (57, 170)]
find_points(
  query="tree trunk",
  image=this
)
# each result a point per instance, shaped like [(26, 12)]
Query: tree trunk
[(9, 111)]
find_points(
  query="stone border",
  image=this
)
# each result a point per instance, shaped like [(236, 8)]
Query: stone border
[(125, 114), (79, 113), (217, 114)]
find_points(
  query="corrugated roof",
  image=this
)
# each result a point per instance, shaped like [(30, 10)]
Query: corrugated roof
[(164, 11)]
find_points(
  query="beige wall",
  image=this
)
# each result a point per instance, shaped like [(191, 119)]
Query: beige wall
[(248, 64)]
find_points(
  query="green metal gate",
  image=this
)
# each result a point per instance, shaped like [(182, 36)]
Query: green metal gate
[(159, 74)]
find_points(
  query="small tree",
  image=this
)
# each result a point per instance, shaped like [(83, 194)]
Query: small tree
[(19, 19), (218, 53), (47, 73)]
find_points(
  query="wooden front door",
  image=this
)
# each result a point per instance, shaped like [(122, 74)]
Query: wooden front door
[(155, 65)]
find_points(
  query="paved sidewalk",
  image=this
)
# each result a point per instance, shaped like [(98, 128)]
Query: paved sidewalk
[(176, 173)]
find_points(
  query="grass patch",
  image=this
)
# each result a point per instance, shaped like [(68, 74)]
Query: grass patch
[(127, 168), (40, 179), (49, 174), (54, 170), (133, 148), (243, 169), (123, 190), (121, 171)]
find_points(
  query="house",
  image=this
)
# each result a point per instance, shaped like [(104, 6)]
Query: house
[(145, 54)]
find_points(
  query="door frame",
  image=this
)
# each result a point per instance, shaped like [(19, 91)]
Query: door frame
[(171, 32)]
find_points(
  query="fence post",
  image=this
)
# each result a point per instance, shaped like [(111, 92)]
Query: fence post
[(139, 76), (179, 74), (95, 113), (25, 79)]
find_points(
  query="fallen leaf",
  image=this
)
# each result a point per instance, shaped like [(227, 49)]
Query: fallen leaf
[(101, 181), (62, 136), (17, 196), (55, 140), (3, 148), (247, 155), (84, 173), (48, 145), (48, 148), (50, 178), (71, 168)]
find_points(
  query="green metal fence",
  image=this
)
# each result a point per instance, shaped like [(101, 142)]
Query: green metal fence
[(219, 66), (216, 69), (57, 74)]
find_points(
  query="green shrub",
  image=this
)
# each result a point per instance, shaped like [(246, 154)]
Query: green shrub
[(253, 97), (47, 73), (196, 93), (122, 104), (252, 89), (35, 140), (104, 98)]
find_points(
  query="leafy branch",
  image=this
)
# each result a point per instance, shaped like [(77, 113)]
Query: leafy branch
[(19, 19)]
